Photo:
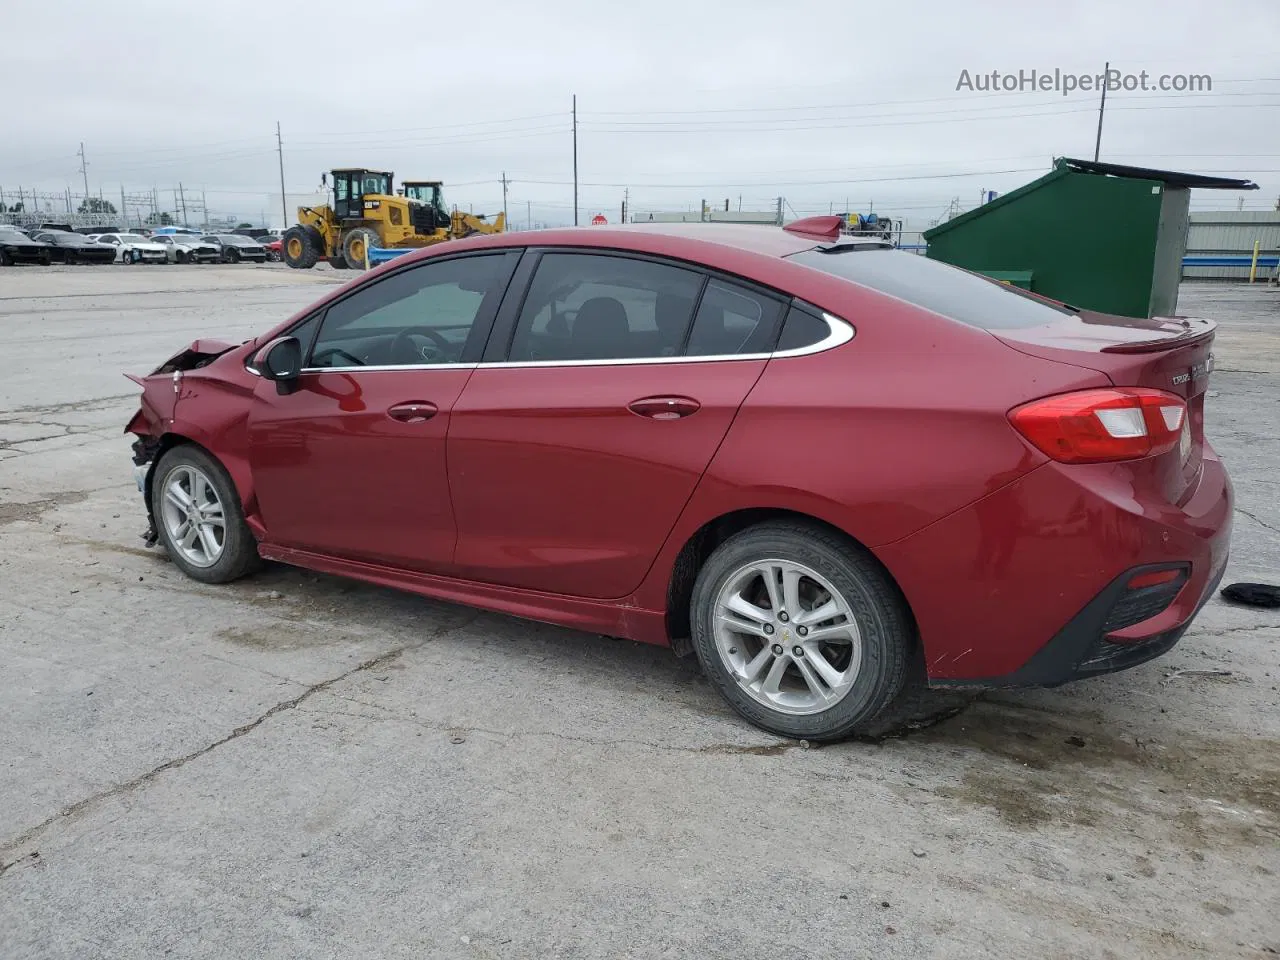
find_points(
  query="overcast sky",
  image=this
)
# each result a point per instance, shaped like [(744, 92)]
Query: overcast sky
[(813, 101)]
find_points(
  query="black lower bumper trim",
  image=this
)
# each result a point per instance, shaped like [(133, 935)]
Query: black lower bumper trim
[(1080, 649)]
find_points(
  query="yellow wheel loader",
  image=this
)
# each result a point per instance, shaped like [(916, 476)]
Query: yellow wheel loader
[(366, 212)]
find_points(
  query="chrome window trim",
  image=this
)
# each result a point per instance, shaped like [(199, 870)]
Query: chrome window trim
[(386, 367), (839, 332)]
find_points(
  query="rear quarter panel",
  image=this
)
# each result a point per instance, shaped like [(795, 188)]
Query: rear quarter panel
[(882, 436)]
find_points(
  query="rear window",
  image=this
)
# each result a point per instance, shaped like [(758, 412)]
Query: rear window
[(940, 287)]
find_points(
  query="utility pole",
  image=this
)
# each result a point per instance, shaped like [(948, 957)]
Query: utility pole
[(1097, 141), (204, 209), (780, 211), (183, 200), (284, 204), (84, 170), (575, 159), (504, 199), (528, 214), (124, 209), (626, 199)]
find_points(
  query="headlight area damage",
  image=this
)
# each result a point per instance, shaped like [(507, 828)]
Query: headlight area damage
[(161, 389)]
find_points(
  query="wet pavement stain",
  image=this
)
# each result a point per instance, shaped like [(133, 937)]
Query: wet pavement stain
[(1035, 768), (279, 637), (14, 512)]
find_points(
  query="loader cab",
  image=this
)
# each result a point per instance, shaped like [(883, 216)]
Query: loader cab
[(350, 187), (427, 199)]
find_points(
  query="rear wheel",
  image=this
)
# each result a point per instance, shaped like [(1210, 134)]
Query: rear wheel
[(198, 515), (297, 249), (338, 263), (356, 245), (5, 259), (801, 631)]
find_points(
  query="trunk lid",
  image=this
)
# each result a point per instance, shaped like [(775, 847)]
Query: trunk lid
[(1164, 353)]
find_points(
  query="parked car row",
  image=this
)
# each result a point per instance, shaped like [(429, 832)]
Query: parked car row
[(44, 246)]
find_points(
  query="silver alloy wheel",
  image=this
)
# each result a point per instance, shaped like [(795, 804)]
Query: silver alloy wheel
[(193, 515), (787, 636)]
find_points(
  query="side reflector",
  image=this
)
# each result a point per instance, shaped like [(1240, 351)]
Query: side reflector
[(1097, 426), (1155, 578)]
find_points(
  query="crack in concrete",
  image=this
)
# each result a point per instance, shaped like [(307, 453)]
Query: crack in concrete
[(129, 786), (762, 749), (1257, 520)]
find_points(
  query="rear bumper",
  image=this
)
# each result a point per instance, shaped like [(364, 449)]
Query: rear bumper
[(1025, 587), (1083, 648)]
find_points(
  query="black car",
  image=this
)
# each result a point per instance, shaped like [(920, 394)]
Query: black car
[(16, 247), (73, 248), (236, 248)]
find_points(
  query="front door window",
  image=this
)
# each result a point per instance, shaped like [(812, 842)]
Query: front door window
[(424, 315)]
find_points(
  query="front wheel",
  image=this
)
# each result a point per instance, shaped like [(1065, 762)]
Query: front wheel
[(198, 515), (356, 246), (298, 249), (801, 630)]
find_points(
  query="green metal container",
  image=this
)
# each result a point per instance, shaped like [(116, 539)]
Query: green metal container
[(1100, 236)]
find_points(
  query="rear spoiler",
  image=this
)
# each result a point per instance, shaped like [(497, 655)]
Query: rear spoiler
[(1188, 339)]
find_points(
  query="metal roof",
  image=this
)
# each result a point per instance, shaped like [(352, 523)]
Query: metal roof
[(1170, 177)]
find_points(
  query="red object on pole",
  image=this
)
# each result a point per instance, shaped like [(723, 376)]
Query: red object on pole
[(826, 228), (598, 220)]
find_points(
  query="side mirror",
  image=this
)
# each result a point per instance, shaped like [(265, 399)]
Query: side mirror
[(281, 361)]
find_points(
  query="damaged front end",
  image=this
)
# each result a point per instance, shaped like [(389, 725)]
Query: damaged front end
[(161, 390)]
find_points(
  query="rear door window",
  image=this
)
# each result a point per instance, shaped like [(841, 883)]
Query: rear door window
[(601, 307), (936, 286), (733, 320)]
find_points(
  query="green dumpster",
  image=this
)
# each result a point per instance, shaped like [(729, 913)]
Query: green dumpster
[(1101, 236)]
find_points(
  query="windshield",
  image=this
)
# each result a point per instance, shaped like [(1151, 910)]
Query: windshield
[(936, 286), (425, 192), (375, 183), (67, 239), (235, 240)]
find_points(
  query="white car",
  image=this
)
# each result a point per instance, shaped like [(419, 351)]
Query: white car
[(187, 248), (133, 247)]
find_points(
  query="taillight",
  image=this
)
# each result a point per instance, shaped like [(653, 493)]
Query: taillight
[(1094, 426)]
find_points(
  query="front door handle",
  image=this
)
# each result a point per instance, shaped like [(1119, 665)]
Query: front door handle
[(413, 411), (664, 408)]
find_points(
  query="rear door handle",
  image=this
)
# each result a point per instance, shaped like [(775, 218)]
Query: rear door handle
[(664, 408), (413, 411)]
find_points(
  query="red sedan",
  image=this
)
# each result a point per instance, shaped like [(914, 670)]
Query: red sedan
[(837, 472)]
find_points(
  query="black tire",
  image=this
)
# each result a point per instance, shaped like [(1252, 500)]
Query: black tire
[(360, 237), (297, 248), (239, 554), (5, 259), (338, 263), (885, 626)]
